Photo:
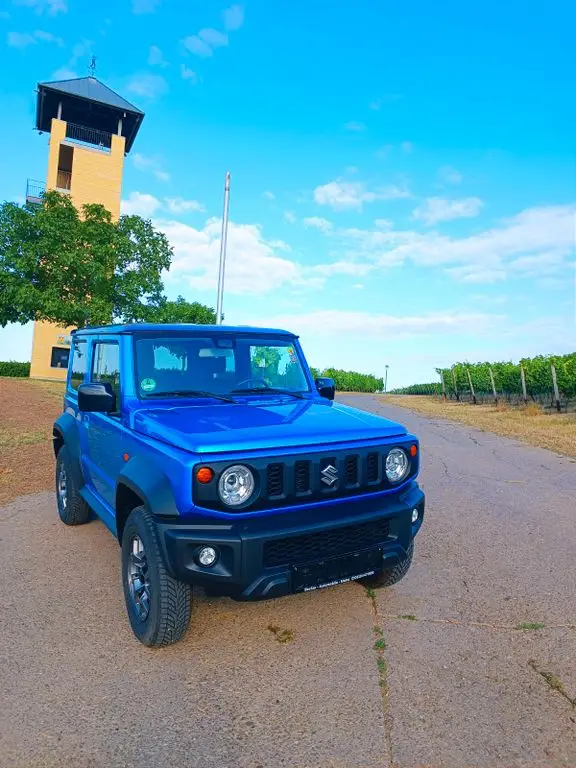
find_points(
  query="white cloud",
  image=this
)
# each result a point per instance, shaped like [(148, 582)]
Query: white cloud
[(436, 209), (233, 17), (139, 204), (24, 39), (151, 165), (180, 205), (407, 147), (317, 222), (156, 57), (338, 323), (252, 264), (204, 43), (355, 126), (144, 6), (449, 175), (341, 195), (188, 74), (51, 7), (269, 195), (147, 85), (290, 217), (355, 269), (64, 73), (537, 241), (213, 38)]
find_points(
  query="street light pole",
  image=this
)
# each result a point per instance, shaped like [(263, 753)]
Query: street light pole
[(223, 240), (385, 378)]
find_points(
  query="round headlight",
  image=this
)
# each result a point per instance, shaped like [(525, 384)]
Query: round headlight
[(397, 465), (236, 485)]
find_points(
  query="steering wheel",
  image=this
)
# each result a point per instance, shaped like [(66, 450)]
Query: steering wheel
[(249, 382)]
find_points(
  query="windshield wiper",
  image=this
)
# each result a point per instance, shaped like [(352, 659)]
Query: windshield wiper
[(269, 390), (191, 393)]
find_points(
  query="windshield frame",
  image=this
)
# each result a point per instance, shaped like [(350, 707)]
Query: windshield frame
[(267, 339)]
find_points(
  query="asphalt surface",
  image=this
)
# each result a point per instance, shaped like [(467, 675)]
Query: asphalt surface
[(461, 686)]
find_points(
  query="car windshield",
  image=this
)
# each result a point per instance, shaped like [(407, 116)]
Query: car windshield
[(223, 365)]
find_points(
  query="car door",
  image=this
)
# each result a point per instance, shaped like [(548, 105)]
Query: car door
[(104, 430)]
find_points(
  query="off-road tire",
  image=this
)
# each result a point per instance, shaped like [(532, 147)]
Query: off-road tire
[(72, 508), (390, 575), (170, 600)]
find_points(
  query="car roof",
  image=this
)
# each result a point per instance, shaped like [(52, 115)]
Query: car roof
[(171, 327)]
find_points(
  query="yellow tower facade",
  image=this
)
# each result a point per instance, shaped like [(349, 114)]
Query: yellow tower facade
[(91, 129)]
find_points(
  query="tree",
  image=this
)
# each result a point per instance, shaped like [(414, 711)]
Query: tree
[(78, 268), (179, 311)]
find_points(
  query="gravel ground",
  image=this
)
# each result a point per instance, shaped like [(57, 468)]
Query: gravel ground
[(459, 684)]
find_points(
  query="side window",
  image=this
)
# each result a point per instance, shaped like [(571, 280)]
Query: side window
[(79, 363), (106, 366)]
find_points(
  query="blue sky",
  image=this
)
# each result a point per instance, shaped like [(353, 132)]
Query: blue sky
[(403, 178)]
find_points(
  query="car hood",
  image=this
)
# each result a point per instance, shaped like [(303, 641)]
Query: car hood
[(256, 425)]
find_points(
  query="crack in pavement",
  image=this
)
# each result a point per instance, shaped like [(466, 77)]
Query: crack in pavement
[(554, 682), (379, 648), (477, 624)]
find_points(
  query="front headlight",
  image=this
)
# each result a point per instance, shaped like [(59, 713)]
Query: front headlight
[(236, 485), (397, 465)]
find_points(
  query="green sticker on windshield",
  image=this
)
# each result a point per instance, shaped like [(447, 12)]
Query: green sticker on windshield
[(147, 385)]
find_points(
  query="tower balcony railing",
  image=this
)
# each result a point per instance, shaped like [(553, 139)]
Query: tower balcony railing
[(81, 134), (35, 191), (63, 179)]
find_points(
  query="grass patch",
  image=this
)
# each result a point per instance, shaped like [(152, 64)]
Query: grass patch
[(408, 617), (553, 681), (281, 635), (370, 593), (380, 645), (530, 424), (531, 625), (15, 437)]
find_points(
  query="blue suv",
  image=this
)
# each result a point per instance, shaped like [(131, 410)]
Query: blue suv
[(217, 460)]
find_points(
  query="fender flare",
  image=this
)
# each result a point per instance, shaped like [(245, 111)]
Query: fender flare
[(65, 430), (148, 482)]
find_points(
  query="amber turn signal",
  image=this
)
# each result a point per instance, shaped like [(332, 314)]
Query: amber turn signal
[(204, 475), (413, 450)]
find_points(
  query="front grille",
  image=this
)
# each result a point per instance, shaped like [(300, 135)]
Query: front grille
[(302, 476), (372, 468), (351, 471), (275, 485), (330, 543)]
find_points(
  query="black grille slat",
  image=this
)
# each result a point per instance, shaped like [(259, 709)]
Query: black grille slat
[(351, 471), (372, 462), (275, 480), (302, 476), (333, 542)]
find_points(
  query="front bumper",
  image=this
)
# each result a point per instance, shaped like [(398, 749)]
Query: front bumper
[(259, 558)]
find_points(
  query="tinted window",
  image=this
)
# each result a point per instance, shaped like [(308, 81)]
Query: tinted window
[(79, 363), (106, 366), (59, 357)]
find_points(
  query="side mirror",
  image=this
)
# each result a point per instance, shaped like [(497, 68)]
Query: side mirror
[(326, 388), (96, 398)]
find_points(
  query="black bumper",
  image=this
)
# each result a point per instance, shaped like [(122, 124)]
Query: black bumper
[(262, 558)]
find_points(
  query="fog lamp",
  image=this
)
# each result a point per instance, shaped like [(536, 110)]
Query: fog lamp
[(415, 515), (207, 556)]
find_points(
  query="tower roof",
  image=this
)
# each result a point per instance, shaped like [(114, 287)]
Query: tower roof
[(88, 102)]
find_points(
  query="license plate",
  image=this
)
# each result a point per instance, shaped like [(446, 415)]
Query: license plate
[(336, 570)]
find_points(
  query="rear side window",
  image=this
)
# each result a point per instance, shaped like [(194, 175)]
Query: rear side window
[(79, 363), (106, 366)]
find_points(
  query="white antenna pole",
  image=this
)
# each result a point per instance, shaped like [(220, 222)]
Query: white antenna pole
[(223, 240)]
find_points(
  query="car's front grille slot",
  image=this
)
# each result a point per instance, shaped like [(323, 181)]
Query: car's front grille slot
[(302, 476), (372, 462), (275, 480), (351, 471), (333, 542)]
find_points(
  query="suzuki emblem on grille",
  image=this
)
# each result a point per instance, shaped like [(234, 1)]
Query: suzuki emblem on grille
[(329, 475)]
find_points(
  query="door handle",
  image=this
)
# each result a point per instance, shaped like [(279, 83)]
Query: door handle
[(86, 419)]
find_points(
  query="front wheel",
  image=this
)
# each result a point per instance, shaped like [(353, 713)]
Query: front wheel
[(393, 575), (72, 508), (158, 605)]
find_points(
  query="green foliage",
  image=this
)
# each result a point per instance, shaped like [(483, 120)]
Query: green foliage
[(77, 268), (507, 378), (350, 381), (12, 368), (179, 311)]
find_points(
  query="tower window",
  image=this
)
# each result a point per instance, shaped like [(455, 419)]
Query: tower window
[(65, 157), (59, 358)]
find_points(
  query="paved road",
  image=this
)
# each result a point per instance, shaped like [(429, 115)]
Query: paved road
[(462, 686)]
